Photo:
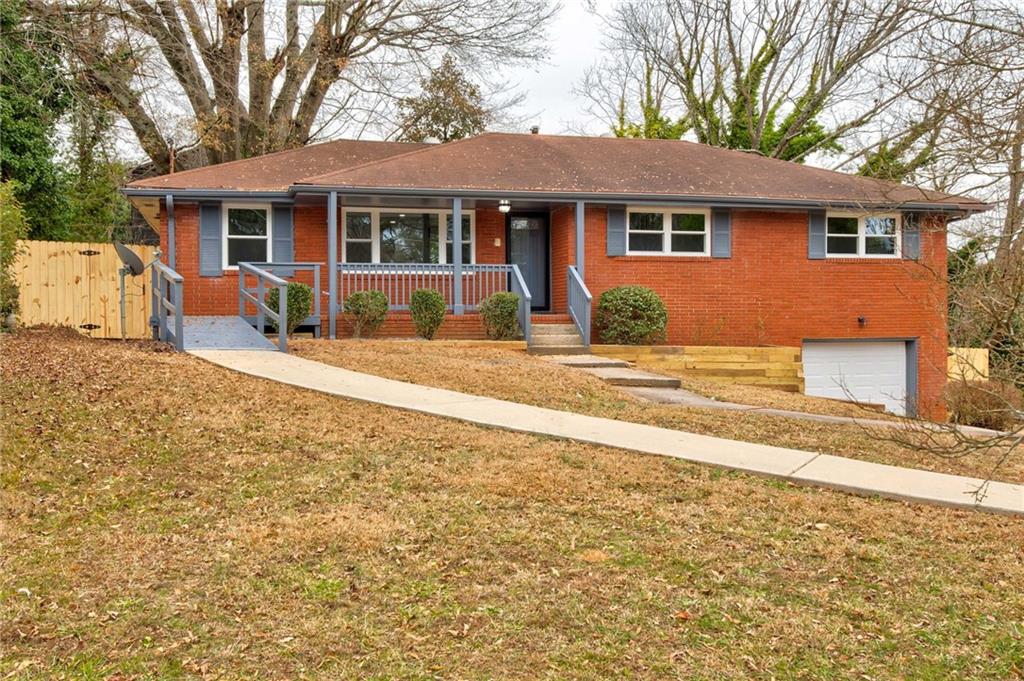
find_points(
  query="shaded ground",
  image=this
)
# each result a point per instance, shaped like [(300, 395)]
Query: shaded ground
[(514, 375), (220, 526)]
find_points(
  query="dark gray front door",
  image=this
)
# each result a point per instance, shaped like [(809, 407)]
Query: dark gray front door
[(528, 247)]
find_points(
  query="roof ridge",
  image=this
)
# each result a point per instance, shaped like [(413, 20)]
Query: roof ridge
[(360, 166), (279, 152)]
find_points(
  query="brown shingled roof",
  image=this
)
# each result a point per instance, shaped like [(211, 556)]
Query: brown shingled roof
[(280, 170), (506, 162), (642, 167)]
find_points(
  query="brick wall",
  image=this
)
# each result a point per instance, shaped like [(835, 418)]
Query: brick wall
[(770, 293)]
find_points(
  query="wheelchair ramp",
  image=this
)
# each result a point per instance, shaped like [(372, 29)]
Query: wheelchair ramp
[(222, 333)]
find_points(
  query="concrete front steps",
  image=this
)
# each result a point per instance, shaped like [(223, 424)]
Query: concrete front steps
[(555, 338)]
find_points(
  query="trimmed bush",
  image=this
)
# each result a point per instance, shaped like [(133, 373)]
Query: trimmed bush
[(427, 308), (366, 310), (500, 312), (631, 315), (300, 302), (985, 404)]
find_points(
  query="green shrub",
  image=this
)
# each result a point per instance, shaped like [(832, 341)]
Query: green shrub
[(984, 404), (300, 302), (366, 310), (500, 312), (427, 309), (13, 226), (631, 315)]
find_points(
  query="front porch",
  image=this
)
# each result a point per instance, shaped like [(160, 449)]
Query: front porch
[(399, 245)]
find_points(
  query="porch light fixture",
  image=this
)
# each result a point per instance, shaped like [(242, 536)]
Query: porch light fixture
[(504, 206)]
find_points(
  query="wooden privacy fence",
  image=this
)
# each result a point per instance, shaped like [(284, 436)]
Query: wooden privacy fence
[(76, 284)]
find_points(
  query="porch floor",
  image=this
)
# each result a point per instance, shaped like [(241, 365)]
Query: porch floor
[(223, 333)]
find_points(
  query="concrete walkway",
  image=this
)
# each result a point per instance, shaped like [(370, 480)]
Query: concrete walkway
[(835, 472)]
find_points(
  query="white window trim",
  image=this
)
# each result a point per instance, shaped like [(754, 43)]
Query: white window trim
[(266, 207), (442, 220), (666, 231), (862, 236)]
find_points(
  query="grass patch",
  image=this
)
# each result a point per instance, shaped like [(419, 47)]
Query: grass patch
[(514, 375), (190, 531)]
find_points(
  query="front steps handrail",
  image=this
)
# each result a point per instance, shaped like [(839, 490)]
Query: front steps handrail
[(580, 301)]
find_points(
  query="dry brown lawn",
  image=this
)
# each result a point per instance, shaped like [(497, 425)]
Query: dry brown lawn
[(166, 518), (514, 375)]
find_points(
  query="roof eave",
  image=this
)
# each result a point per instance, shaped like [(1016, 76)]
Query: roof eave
[(614, 197), (200, 194)]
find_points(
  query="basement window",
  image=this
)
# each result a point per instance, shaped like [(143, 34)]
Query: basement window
[(853, 235), (667, 232)]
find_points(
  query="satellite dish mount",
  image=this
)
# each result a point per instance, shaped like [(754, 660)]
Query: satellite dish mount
[(131, 264)]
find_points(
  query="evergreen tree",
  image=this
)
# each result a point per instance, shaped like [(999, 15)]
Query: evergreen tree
[(450, 107)]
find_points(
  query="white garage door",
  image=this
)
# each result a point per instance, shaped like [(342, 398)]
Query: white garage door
[(871, 372)]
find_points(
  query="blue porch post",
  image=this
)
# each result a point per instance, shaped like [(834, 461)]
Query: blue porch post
[(332, 263), (457, 305), (579, 238), (172, 245)]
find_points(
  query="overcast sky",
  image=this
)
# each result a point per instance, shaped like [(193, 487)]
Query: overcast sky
[(575, 37)]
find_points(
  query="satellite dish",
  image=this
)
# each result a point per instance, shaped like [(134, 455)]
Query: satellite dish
[(130, 259)]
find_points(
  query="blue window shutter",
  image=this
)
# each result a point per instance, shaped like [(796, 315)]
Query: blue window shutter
[(283, 248), (911, 236), (211, 264), (816, 240), (721, 233), (616, 230)]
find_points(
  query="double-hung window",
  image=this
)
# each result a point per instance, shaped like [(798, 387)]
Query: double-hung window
[(667, 232), (247, 232), (386, 235), (851, 235)]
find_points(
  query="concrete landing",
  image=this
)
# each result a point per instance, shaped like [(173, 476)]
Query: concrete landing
[(632, 377), (587, 361), (860, 477), (223, 333)]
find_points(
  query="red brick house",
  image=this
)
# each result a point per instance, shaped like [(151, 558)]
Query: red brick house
[(744, 250)]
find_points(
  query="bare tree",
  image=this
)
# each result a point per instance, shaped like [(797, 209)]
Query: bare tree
[(245, 77)]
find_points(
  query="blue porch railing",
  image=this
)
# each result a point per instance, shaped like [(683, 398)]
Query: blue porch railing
[(397, 281), (287, 270), (256, 296), (579, 304), (168, 287)]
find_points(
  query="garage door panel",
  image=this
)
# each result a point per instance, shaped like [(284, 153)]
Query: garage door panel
[(873, 372)]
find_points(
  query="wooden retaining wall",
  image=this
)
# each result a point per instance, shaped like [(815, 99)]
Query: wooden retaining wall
[(76, 284), (776, 367)]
